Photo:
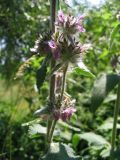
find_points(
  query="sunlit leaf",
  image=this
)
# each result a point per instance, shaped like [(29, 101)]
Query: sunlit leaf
[(108, 124), (93, 139), (75, 140), (36, 129), (60, 151), (84, 72), (105, 152)]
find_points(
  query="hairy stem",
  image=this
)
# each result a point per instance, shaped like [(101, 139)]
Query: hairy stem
[(51, 131), (116, 112), (52, 14), (52, 80), (53, 123), (49, 124)]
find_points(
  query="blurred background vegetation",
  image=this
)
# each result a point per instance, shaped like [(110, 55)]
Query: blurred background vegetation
[(20, 24)]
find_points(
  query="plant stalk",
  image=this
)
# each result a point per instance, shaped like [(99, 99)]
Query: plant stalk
[(64, 80), (51, 131), (52, 80), (62, 92), (116, 113)]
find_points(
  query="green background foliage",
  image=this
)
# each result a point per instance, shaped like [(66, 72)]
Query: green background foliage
[(88, 132)]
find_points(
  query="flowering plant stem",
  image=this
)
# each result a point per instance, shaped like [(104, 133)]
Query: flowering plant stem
[(51, 131), (52, 123), (64, 80), (52, 80), (116, 112)]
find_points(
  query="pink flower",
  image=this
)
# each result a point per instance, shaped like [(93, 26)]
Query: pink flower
[(81, 17), (67, 113), (61, 17), (69, 24), (64, 114), (79, 23), (54, 49), (80, 28), (52, 44)]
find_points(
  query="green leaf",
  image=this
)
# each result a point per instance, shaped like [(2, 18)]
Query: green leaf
[(75, 140), (105, 152), (102, 86), (93, 139), (84, 72), (113, 34), (66, 135), (108, 124), (60, 151), (36, 129), (31, 122)]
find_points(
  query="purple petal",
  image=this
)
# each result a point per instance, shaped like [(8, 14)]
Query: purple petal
[(52, 44), (81, 17), (61, 17), (80, 28), (67, 113)]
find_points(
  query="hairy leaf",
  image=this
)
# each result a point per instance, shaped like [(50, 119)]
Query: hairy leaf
[(37, 129), (60, 151), (93, 139)]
